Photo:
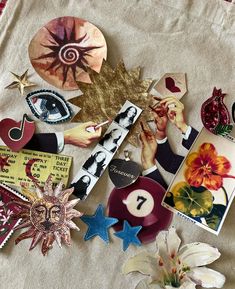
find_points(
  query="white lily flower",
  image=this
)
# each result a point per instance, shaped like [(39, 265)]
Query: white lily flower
[(207, 277), (174, 267)]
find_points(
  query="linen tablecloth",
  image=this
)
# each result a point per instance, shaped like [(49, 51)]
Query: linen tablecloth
[(195, 37)]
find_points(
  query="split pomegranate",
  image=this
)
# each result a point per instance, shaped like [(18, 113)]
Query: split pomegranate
[(214, 111)]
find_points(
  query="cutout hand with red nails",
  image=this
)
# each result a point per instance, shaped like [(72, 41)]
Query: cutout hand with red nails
[(79, 136), (166, 110), (175, 112), (149, 147), (161, 119)]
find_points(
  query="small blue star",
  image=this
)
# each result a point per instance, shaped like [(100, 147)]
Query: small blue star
[(129, 235), (98, 224)]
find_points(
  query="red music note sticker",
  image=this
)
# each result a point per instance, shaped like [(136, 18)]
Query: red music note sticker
[(17, 134)]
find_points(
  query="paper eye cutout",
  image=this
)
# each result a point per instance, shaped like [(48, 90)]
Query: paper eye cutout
[(49, 106)]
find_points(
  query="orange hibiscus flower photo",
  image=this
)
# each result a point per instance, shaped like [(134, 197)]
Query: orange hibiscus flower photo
[(207, 168), (204, 186)]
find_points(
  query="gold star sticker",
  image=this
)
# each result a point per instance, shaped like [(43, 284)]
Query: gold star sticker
[(21, 82)]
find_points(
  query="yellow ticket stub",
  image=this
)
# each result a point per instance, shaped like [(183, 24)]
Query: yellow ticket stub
[(27, 167)]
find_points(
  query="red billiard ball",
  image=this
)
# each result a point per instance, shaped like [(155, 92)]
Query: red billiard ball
[(140, 205)]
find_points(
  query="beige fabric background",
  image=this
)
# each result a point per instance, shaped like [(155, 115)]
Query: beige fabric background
[(196, 37)]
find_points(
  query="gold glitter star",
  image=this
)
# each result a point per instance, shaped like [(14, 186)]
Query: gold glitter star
[(20, 82), (108, 92)]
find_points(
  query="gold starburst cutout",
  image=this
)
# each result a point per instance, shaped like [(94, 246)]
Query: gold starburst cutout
[(108, 92), (48, 216)]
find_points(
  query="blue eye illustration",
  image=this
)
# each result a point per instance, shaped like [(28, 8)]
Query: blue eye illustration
[(49, 106)]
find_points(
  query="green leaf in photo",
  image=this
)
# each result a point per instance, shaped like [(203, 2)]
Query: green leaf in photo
[(191, 202)]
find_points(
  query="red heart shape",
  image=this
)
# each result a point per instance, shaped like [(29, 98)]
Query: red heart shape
[(170, 85), (16, 134)]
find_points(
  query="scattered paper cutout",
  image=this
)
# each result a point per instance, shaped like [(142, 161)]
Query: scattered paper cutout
[(98, 224), (28, 167), (204, 185), (109, 91), (49, 106), (8, 208), (173, 266), (17, 134), (214, 112), (48, 216), (21, 82), (129, 235), (172, 84), (64, 49)]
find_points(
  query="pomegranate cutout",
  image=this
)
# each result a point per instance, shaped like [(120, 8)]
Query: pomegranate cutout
[(214, 112)]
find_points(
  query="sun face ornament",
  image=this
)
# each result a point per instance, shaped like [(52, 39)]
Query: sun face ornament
[(47, 216)]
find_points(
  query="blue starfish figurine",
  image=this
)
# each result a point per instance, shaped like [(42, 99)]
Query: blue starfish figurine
[(129, 235), (98, 224)]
